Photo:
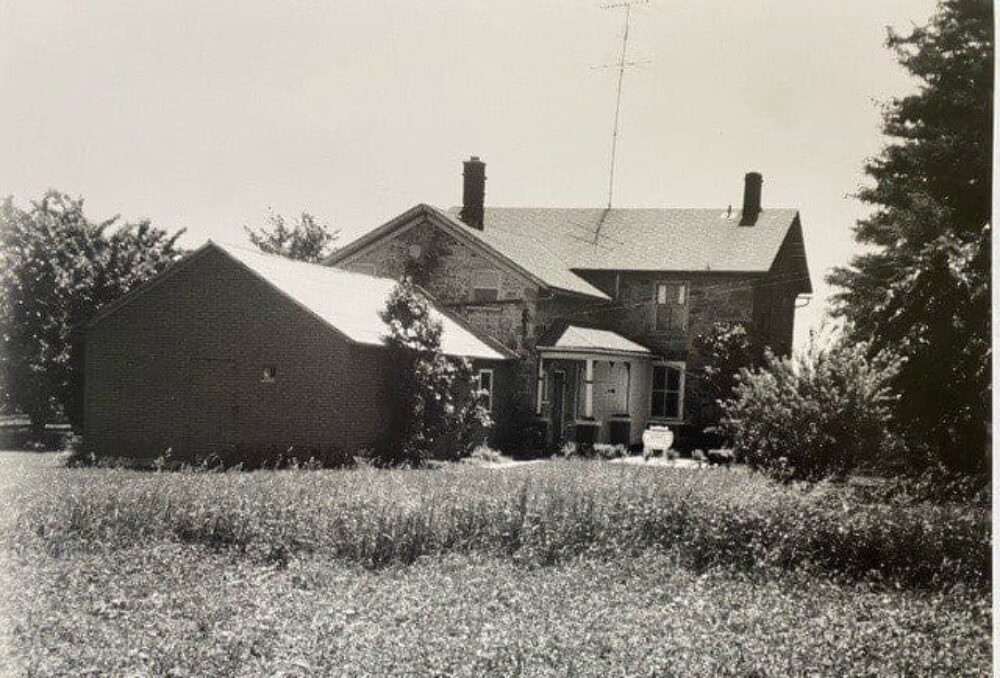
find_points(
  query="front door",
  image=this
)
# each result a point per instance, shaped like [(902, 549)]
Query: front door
[(558, 398)]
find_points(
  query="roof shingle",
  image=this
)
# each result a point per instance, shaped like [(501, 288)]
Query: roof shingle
[(554, 242), (350, 302)]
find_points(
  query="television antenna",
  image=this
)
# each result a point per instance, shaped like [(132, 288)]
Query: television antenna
[(621, 65)]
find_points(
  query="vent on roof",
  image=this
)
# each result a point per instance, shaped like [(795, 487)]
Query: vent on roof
[(751, 198), (473, 192)]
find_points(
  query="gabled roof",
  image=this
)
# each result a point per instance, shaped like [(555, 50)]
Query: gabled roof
[(641, 239), (530, 259), (348, 302), (552, 245), (573, 338)]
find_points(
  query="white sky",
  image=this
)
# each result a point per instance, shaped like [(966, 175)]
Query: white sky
[(202, 115)]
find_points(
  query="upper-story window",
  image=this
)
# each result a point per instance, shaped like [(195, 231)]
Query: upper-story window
[(486, 286), (671, 307)]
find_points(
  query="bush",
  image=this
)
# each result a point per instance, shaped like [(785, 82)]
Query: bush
[(437, 410), (724, 349), (820, 414), (595, 450), (486, 453)]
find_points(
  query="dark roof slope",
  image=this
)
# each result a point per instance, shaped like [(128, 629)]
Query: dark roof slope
[(672, 239)]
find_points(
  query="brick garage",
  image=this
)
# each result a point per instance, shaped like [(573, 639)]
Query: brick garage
[(236, 348)]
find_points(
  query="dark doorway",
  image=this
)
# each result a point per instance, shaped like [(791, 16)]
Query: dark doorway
[(558, 400)]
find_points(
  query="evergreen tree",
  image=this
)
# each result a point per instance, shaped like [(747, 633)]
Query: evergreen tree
[(437, 410), (923, 292)]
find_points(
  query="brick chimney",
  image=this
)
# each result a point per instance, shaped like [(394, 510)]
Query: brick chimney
[(473, 192), (751, 198)]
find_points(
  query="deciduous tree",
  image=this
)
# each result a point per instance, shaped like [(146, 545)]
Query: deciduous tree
[(307, 240), (57, 268)]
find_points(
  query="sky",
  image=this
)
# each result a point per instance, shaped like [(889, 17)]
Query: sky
[(205, 116)]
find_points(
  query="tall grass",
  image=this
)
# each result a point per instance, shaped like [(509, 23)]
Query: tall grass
[(539, 515)]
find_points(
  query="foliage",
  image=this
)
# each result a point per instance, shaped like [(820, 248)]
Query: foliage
[(559, 512), (722, 573), (924, 291), (822, 413), (724, 350), (595, 450), (486, 453), (437, 409), (308, 240), (57, 269)]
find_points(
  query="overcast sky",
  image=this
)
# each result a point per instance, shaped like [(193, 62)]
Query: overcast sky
[(203, 115)]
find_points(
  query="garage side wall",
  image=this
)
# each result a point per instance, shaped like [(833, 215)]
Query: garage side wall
[(183, 366)]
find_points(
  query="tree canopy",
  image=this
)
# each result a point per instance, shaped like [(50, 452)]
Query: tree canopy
[(923, 290), (57, 268), (307, 240)]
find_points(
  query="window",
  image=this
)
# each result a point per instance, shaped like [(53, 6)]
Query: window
[(367, 269), (269, 374), (485, 286), (486, 387), (671, 307), (668, 391)]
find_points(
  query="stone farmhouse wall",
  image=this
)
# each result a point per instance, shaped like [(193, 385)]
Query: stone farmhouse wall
[(523, 312)]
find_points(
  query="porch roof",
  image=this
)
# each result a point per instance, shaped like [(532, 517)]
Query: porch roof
[(575, 339)]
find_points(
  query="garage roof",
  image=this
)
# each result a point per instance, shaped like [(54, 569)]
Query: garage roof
[(348, 302), (351, 302)]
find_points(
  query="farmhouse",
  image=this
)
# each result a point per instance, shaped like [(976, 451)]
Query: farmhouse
[(580, 323), (231, 347), (600, 306)]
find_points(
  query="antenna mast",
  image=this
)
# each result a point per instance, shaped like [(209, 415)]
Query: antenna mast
[(621, 64)]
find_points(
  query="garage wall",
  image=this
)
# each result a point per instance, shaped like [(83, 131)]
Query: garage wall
[(182, 367)]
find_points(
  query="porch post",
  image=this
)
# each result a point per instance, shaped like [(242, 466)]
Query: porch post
[(539, 386), (588, 390), (628, 387)]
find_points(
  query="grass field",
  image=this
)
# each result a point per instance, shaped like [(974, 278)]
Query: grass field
[(554, 569)]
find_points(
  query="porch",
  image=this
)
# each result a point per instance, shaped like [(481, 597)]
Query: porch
[(593, 386)]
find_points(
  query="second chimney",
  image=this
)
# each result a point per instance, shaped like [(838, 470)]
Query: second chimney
[(751, 198), (473, 192)]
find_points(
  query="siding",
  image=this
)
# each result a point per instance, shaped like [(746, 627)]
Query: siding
[(207, 331)]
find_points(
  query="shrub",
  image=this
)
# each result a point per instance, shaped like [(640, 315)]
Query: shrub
[(438, 411), (820, 414), (724, 349), (595, 450), (485, 453)]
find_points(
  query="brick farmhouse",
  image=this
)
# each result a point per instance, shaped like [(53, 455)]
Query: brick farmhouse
[(580, 321)]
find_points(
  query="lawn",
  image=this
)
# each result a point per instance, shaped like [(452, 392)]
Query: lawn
[(567, 568)]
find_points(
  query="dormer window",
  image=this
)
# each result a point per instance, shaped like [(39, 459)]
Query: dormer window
[(485, 286)]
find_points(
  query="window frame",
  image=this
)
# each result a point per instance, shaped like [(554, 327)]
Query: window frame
[(476, 286), (685, 294), (681, 367), (269, 374), (479, 382)]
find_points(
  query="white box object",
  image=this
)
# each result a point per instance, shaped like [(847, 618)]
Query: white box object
[(656, 439)]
